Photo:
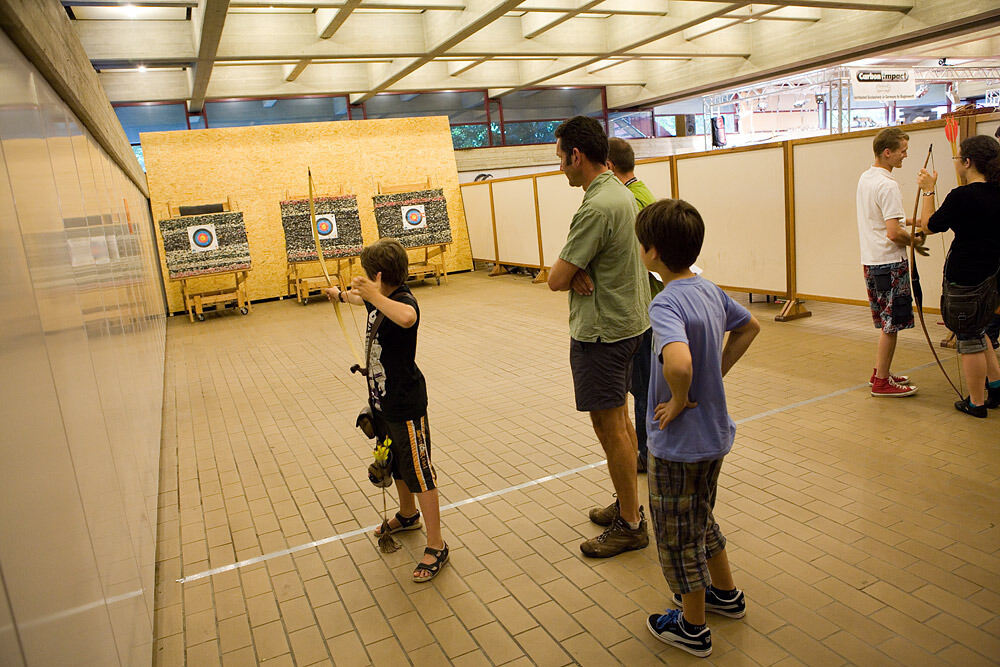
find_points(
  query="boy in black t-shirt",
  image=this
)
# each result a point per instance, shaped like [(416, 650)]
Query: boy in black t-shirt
[(397, 392)]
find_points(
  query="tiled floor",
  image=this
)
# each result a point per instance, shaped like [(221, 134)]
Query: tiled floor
[(862, 530)]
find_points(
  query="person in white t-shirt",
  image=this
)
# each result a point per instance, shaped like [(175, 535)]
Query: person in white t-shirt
[(884, 239)]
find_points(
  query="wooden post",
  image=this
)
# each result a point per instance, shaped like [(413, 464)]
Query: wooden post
[(794, 307), (543, 273), (674, 182), (497, 269)]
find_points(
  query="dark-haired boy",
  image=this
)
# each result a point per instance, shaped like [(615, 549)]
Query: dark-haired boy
[(397, 392), (608, 294), (690, 318)]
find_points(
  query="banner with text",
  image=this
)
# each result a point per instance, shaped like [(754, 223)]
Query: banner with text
[(883, 84)]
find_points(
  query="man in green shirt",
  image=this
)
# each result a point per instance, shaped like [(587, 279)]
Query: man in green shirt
[(621, 161), (601, 268)]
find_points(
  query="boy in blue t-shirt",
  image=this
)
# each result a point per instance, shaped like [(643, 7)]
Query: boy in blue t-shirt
[(690, 430)]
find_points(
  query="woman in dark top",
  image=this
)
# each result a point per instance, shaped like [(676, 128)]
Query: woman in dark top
[(972, 211)]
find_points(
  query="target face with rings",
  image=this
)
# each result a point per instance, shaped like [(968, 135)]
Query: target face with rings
[(326, 226), (414, 217), (202, 238)]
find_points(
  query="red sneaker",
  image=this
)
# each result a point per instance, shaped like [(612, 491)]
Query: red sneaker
[(886, 387), (898, 379)]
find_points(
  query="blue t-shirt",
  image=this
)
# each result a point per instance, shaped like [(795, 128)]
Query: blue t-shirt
[(697, 312)]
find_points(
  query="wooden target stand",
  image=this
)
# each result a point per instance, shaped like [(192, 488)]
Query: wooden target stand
[(301, 277), (195, 301), (425, 267)]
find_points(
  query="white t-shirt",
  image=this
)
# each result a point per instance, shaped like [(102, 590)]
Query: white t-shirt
[(879, 199)]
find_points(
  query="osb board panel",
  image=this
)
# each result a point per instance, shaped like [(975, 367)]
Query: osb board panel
[(257, 166)]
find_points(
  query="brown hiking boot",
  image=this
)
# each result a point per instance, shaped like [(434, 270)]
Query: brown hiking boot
[(603, 516), (617, 538)]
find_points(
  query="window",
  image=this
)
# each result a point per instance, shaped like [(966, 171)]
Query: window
[(530, 132), (631, 124), (470, 136), (665, 126), (137, 149), (151, 117), (461, 108), (553, 104), (237, 113), (466, 111)]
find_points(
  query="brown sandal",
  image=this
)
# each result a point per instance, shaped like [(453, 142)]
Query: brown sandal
[(405, 523), (440, 556)]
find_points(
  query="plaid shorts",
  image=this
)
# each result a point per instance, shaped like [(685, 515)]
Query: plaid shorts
[(889, 295), (681, 500)]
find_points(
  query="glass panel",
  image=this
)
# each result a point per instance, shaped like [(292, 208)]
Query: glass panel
[(866, 118), (137, 149), (196, 121), (631, 124), (237, 113), (495, 136), (553, 104), (151, 118), (666, 126), (470, 136), (461, 108), (537, 132)]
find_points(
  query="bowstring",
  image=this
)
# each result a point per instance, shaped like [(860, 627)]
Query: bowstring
[(354, 321), (944, 252)]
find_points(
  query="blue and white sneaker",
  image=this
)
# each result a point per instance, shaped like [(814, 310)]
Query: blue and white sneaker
[(667, 627), (734, 607)]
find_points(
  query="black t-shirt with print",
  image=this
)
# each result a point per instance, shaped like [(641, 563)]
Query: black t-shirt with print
[(396, 386), (973, 212)]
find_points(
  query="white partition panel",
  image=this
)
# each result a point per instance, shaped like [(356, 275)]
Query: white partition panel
[(517, 229), (741, 198), (557, 202), (479, 217), (828, 256), (988, 128), (656, 176)]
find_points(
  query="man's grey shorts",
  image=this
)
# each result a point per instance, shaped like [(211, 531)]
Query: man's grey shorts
[(602, 372)]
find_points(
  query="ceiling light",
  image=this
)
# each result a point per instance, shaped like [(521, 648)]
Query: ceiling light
[(142, 68), (131, 10)]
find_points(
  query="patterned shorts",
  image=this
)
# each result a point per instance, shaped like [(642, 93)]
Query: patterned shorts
[(411, 452), (681, 500), (889, 295)]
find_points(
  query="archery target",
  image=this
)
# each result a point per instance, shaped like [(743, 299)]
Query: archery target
[(326, 226), (202, 238), (414, 217)]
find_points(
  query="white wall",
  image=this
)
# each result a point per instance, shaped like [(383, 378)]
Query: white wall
[(81, 348)]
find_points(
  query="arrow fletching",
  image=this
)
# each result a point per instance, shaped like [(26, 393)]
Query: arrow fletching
[(951, 130)]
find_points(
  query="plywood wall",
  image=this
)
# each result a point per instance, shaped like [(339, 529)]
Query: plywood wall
[(258, 166)]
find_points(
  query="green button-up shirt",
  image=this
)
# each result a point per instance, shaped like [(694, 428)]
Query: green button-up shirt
[(602, 242)]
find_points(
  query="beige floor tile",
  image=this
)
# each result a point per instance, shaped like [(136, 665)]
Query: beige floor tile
[(497, 643), (453, 637), (851, 548)]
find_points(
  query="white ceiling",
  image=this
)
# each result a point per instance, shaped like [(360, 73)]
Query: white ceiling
[(644, 51)]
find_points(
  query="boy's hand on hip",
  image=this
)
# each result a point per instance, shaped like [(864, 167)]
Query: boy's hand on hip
[(671, 410), (367, 289)]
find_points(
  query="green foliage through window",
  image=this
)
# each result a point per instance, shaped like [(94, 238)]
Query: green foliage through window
[(470, 136)]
